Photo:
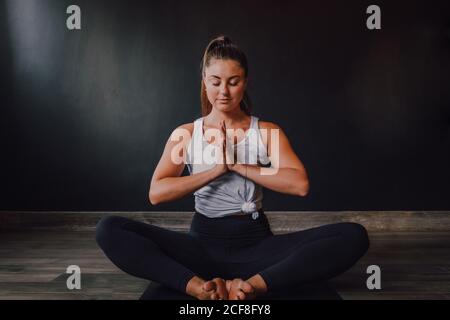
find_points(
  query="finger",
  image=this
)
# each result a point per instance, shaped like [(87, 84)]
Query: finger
[(224, 145), (220, 137), (235, 153), (224, 129)]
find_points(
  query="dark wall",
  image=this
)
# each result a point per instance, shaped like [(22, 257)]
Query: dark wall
[(85, 114)]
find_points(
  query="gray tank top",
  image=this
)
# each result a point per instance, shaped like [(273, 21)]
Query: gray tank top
[(230, 193)]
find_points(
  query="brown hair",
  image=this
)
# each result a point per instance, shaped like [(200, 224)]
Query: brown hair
[(222, 47)]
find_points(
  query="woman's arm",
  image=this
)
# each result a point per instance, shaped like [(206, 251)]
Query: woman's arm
[(166, 184), (289, 176)]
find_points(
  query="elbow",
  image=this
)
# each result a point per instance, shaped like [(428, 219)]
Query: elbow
[(304, 189), (153, 197)]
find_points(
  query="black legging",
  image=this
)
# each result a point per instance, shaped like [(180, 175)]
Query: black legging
[(231, 247)]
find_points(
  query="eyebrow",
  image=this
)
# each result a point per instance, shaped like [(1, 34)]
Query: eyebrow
[(235, 76)]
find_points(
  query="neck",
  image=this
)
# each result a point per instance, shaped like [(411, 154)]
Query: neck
[(230, 118)]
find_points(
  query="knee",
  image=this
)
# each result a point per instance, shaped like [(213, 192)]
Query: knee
[(105, 229), (357, 237)]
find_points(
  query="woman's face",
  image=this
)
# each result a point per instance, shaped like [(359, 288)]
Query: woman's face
[(225, 84)]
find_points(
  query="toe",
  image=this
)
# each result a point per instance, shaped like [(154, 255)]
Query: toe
[(209, 285), (228, 285), (241, 295), (246, 287)]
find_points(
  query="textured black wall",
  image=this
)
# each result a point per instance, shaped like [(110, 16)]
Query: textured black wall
[(85, 114)]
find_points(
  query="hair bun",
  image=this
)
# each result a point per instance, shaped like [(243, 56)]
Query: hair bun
[(224, 39), (220, 41)]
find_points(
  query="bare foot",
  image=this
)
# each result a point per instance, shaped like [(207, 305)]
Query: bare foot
[(258, 283), (218, 288), (239, 289), (214, 289)]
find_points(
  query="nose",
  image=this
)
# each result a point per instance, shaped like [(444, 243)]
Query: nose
[(224, 90)]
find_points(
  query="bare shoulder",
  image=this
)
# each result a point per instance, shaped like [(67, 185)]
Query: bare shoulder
[(183, 132), (183, 129), (187, 126), (268, 125)]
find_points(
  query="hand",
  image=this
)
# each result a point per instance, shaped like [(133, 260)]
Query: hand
[(224, 167)]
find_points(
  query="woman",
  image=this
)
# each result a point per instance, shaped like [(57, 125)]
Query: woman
[(230, 251)]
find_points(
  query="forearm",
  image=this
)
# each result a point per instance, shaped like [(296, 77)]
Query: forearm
[(285, 180), (173, 188)]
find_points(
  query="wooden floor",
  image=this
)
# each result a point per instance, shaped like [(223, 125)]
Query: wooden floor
[(414, 265)]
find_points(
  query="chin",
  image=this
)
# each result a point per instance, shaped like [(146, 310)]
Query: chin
[(225, 107)]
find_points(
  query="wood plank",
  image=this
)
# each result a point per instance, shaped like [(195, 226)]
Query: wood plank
[(281, 221), (415, 265)]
